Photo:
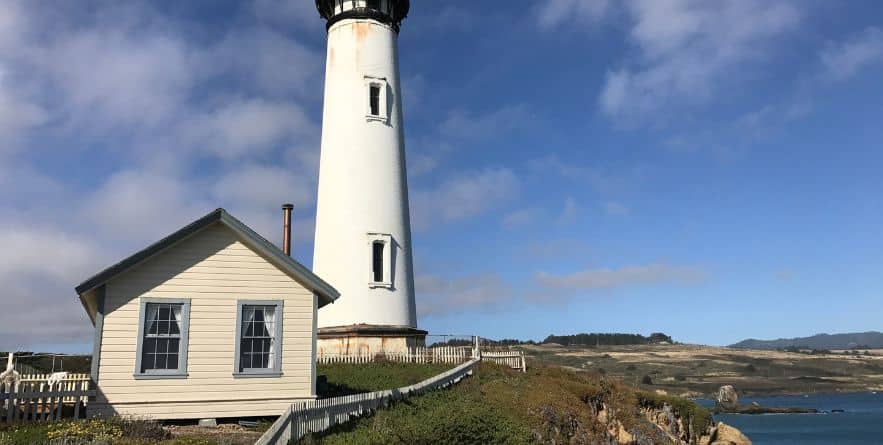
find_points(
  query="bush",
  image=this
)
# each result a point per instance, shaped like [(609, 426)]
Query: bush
[(647, 380), (346, 379), (688, 411), (23, 434), (84, 431), (135, 428)]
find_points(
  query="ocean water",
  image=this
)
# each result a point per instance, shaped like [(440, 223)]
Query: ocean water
[(861, 423)]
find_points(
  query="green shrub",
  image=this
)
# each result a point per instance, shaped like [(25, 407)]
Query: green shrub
[(346, 379), (23, 434), (688, 411), (84, 431)]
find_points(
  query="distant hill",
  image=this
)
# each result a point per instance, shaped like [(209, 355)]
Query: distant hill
[(861, 340), (607, 339)]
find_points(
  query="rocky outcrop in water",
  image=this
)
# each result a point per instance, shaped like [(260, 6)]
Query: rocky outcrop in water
[(727, 398)]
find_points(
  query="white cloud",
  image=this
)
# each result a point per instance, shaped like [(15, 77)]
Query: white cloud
[(118, 76), (688, 50), (17, 115), (570, 211), (266, 187), (37, 265), (461, 125), (520, 217), (616, 208), (245, 128), (268, 61), (173, 123), (292, 14), (142, 206), (598, 279), (843, 60), (555, 12), (441, 296), (464, 196)]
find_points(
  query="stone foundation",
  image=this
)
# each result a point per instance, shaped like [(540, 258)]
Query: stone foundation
[(363, 339)]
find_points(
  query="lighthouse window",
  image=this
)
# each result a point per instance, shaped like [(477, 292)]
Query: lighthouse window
[(375, 99), (374, 4), (381, 258), (377, 261), (376, 106)]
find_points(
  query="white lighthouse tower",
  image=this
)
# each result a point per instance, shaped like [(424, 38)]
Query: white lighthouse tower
[(363, 231)]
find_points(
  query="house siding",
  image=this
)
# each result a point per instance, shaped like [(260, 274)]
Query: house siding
[(214, 270)]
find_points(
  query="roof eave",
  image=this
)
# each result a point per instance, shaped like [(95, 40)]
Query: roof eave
[(327, 294)]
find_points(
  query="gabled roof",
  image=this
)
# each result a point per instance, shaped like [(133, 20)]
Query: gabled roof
[(266, 249)]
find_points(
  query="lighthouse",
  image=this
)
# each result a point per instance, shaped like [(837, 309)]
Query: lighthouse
[(363, 231)]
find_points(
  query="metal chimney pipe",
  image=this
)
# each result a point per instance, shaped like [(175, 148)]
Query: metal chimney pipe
[(286, 228)]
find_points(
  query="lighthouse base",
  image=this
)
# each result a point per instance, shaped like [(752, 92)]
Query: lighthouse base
[(367, 339)]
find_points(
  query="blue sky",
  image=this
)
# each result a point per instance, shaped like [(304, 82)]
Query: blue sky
[(706, 169)]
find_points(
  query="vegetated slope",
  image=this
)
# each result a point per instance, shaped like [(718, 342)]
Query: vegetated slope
[(860, 340), (544, 405), (344, 379)]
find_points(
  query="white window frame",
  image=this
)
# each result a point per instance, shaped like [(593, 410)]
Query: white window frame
[(183, 343), (381, 83), (386, 239)]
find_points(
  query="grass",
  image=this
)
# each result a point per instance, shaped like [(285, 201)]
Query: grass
[(502, 406), (696, 371), (113, 431), (346, 379)]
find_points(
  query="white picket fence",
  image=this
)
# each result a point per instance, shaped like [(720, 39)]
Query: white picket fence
[(315, 416), (34, 400), (440, 354), (512, 359)]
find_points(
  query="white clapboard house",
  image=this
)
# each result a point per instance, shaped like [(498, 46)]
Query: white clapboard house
[(212, 321)]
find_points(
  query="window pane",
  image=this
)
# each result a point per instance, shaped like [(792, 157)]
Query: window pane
[(164, 313), (163, 327), (160, 361), (149, 346), (264, 361), (162, 345), (147, 361), (375, 100), (173, 361), (377, 261), (173, 345)]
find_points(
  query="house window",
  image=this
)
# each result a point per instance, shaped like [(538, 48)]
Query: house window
[(377, 109), (259, 338), (377, 261), (162, 338), (381, 259)]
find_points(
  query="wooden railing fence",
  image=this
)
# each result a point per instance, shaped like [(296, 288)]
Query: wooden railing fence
[(315, 416), (440, 354), (512, 359), (33, 400)]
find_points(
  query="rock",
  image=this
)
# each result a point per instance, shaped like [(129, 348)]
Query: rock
[(208, 423), (727, 398), (727, 435)]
